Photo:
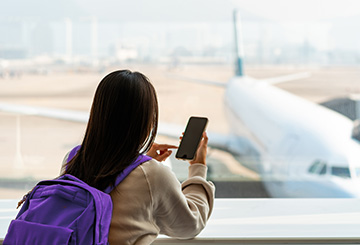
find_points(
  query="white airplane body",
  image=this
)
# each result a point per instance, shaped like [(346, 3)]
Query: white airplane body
[(301, 149), (286, 135)]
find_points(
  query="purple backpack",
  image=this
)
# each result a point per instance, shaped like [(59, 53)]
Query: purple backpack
[(66, 211)]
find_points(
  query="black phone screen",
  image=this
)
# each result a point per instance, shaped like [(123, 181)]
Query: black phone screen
[(191, 138)]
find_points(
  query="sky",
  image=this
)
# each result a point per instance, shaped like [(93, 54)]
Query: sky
[(303, 10), (324, 23), (182, 10)]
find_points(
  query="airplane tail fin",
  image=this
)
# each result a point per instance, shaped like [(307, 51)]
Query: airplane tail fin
[(239, 48)]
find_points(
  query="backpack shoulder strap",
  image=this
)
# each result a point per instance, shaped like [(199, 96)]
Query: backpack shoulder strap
[(123, 174), (127, 171), (73, 152)]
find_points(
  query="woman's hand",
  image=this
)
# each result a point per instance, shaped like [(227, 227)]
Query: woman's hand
[(200, 155), (160, 152)]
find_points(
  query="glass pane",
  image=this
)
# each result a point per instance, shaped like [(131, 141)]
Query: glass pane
[(323, 170), (314, 167), (341, 172), (267, 128)]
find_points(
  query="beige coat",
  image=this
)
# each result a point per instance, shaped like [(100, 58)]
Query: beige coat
[(151, 201)]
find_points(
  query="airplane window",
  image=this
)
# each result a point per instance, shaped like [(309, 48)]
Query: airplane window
[(323, 170), (342, 172), (313, 168), (318, 167)]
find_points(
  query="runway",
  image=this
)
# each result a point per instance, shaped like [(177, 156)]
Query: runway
[(32, 148)]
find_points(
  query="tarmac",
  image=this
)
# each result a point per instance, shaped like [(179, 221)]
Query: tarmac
[(32, 148)]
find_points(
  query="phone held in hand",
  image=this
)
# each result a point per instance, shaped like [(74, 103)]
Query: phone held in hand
[(191, 138)]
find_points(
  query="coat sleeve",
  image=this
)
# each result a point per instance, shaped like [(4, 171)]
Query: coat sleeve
[(181, 210)]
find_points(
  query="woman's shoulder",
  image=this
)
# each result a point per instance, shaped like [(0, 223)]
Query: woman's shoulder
[(158, 173), (153, 166)]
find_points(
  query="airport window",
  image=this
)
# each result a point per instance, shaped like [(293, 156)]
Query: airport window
[(271, 103), (53, 55), (342, 172)]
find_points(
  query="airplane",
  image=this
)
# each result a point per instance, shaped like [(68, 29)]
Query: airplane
[(299, 148)]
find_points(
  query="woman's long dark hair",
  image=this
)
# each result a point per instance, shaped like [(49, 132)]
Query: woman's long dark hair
[(123, 124)]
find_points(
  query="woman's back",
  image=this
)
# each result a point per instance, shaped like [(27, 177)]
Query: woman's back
[(122, 125), (152, 201)]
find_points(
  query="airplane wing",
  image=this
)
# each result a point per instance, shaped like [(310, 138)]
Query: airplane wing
[(216, 140), (273, 80), (67, 115), (225, 142), (194, 80), (287, 78), (219, 141)]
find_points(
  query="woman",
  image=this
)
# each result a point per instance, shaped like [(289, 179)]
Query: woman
[(150, 201)]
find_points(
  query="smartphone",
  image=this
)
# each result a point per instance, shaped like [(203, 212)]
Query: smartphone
[(191, 138)]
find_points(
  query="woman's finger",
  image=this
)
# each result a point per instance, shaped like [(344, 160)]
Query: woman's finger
[(164, 156), (162, 147)]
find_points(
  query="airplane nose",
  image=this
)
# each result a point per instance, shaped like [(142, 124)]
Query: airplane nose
[(354, 190)]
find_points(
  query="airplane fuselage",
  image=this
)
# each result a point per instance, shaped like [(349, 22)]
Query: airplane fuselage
[(300, 149)]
